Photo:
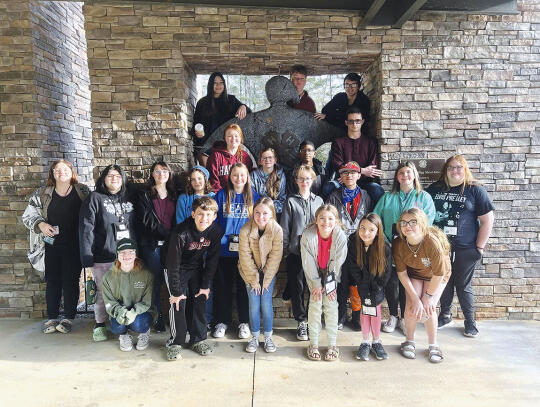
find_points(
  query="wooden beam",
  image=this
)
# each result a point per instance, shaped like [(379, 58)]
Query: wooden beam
[(409, 11), (371, 13)]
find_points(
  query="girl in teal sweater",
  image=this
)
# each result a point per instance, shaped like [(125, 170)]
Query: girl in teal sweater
[(406, 193)]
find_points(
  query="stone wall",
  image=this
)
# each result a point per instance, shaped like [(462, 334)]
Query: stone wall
[(442, 84), (44, 115)]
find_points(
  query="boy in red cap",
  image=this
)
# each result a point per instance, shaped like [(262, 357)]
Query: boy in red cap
[(352, 203)]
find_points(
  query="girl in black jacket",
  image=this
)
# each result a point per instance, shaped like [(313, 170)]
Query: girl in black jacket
[(369, 264), (156, 209)]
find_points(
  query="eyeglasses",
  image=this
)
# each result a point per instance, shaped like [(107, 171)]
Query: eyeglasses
[(457, 167), (350, 85), (307, 150), (161, 172), (356, 121), (412, 223), (347, 173), (62, 171), (300, 179), (267, 158), (113, 176)]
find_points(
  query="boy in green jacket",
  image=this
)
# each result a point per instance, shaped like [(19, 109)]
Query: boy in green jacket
[(127, 293)]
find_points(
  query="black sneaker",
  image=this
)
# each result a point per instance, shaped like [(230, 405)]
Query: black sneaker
[(363, 351), (378, 350), (445, 321), (159, 325), (470, 330), (302, 331)]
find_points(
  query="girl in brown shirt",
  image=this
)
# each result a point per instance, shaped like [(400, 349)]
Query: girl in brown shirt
[(421, 255)]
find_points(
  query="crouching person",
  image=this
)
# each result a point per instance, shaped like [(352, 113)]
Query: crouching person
[(188, 274), (127, 294)]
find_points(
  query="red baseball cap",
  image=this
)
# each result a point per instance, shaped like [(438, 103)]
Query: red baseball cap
[(350, 166)]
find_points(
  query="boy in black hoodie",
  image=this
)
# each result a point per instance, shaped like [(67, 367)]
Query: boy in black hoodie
[(189, 272)]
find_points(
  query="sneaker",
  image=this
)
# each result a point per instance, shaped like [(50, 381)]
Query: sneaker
[(126, 342), (64, 326), (363, 351), (252, 345), (378, 350), (202, 348), (243, 331), (143, 340), (219, 331), (401, 326), (340, 326), (159, 325), (99, 334), (470, 330), (302, 331), (390, 324), (444, 321), (173, 352), (269, 346)]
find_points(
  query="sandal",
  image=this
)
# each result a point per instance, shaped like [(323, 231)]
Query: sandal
[(64, 326), (99, 334), (173, 352), (313, 353), (435, 355), (408, 350), (332, 354), (50, 326)]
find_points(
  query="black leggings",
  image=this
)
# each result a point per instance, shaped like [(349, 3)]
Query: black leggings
[(62, 273), (395, 294), (227, 274)]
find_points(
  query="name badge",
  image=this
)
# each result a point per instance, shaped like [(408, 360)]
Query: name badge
[(233, 243), (450, 230), (160, 242), (330, 283), (121, 231), (371, 311)]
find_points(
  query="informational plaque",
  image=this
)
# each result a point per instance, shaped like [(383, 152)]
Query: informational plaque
[(429, 170)]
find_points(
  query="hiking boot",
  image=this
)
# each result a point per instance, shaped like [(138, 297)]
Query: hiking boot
[(126, 342), (143, 340), (243, 331), (444, 321), (378, 350), (302, 331), (269, 346), (390, 324), (470, 330), (252, 345)]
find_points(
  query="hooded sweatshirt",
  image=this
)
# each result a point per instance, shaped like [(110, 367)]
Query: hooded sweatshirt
[(99, 213), (232, 222), (192, 254), (219, 164), (125, 291)]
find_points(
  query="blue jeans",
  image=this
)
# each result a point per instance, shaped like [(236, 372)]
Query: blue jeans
[(141, 324), (153, 262), (258, 303)]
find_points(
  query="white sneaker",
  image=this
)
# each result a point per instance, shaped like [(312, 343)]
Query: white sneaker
[(219, 331), (126, 342), (143, 340), (243, 331), (390, 324), (401, 325), (252, 345), (269, 346)]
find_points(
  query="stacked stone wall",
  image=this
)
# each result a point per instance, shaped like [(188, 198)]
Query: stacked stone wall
[(44, 116)]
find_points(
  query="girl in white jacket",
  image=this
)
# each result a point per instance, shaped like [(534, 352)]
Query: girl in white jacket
[(324, 248)]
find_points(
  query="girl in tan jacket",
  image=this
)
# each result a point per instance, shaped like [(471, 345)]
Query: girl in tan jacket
[(260, 252)]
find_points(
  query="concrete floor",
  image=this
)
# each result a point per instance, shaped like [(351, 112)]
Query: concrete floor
[(499, 368)]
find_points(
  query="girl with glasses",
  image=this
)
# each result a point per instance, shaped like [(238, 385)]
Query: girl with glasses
[(269, 179)]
